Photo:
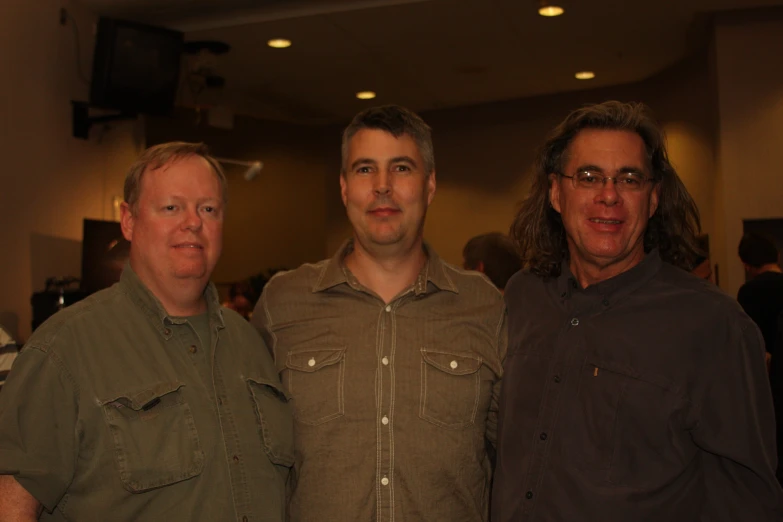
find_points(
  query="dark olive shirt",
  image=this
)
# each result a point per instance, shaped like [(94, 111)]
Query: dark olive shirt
[(641, 398), (394, 404), (115, 410)]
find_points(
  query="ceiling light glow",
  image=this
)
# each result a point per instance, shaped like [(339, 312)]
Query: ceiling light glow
[(584, 75), (550, 10), (365, 95), (279, 43)]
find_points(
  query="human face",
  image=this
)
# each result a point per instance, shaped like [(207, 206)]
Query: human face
[(176, 232), (385, 190), (604, 228)]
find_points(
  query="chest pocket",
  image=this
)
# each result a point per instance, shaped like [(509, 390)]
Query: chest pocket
[(154, 435), (624, 427), (275, 424), (450, 388), (315, 379)]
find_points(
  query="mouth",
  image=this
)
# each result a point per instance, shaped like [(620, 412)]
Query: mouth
[(194, 246), (383, 211), (606, 221)]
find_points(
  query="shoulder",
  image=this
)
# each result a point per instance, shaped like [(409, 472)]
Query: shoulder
[(472, 283), (304, 278), (94, 311), (685, 291)]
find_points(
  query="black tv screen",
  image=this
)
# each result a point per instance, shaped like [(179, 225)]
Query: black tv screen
[(135, 67), (104, 253)]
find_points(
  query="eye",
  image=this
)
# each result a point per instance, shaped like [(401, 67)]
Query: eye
[(363, 170), (402, 168), (631, 180), (170, 208), (588, 178)]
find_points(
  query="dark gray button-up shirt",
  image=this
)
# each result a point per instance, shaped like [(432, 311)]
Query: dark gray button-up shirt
[(643, 397)]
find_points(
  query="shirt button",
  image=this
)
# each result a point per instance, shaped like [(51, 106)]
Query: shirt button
[(311, 362), (192, 348), (385, 361), (385, 481), (244, 519), (220, 401), (388, 308), (453, 365), (236, 459), (167, 331), (385, 420), (605, 302), (556, 379), (529, 495), (574, 322), (542, 436)]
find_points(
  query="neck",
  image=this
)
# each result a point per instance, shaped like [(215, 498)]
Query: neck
[(180, 297), (386, 275), (591, 273), (770, 267)]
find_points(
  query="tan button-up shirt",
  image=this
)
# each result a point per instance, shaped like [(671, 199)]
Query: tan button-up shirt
[(394, 404)]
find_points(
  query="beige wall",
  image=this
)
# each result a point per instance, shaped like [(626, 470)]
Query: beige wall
[(750, 82), (49, 181), (483, 154), (276, 220)]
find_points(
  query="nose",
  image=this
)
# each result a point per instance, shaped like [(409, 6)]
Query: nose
[(192, 219), (608, 194), (382, 182)]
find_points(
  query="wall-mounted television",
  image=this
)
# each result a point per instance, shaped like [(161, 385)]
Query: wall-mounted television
[(135, 67)]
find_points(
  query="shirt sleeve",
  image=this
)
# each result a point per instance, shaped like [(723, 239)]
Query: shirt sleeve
[(735, 427), (38, 412), (492, 414)]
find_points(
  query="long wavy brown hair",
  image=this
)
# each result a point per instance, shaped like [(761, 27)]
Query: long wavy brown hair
[(673, 229)]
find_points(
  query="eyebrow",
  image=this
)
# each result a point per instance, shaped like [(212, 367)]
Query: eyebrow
[(621, 170), (397, 159)]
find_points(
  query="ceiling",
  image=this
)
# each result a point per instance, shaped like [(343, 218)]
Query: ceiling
[(424, 54)]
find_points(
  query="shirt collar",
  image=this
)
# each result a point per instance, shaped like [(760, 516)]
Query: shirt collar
[(334, 272), (614, 288), (152, 308)]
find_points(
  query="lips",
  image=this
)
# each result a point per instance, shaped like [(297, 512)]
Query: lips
[(602, 221), (194, 246), (383, 211)]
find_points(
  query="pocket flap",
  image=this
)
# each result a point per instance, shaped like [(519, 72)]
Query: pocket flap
[(314, 360), (138, 399), (274, 388), (454, 363)]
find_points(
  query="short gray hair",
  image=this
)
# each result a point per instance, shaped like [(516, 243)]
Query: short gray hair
[(396, 121)]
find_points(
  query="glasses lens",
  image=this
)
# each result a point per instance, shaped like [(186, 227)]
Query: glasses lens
[(630, 181), (587, 179)]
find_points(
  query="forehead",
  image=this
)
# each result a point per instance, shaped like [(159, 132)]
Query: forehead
[(189, 174), (379, 144), (607, 148)]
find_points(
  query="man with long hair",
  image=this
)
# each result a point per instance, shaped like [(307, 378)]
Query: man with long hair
[(633, 390)]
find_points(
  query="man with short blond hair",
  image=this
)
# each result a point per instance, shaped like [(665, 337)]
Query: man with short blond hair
[(147, 400)]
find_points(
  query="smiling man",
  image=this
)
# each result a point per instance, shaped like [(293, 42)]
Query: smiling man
[(633, 390), (392, 356), (148, 401)]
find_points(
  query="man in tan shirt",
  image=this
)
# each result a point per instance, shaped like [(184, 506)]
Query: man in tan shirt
[(392, 356)]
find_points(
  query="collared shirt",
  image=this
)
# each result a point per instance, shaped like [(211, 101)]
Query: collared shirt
[(641, 398), (394, 404), (114, 410)]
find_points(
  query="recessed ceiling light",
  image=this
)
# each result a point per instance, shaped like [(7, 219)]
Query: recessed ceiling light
[(365, 95), (279, 43), (584, 75), (548, 9)]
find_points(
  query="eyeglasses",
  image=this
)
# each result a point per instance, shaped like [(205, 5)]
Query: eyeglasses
[(625, 182)]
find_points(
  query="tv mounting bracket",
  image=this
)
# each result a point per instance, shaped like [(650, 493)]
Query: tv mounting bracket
[(82, 121)]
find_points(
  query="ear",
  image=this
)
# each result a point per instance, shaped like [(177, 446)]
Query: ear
[(554, 192), (654, 196), (343, 189), (126, 221), (480, 267), (431, 186)]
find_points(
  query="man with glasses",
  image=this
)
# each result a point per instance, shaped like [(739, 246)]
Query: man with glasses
[(632, 390)]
